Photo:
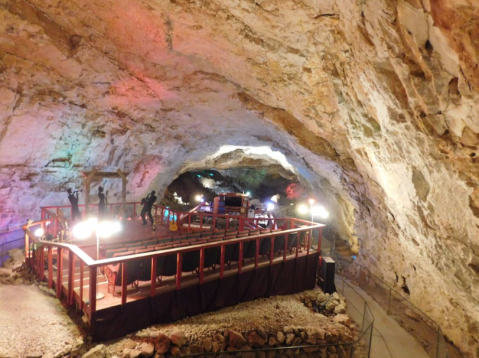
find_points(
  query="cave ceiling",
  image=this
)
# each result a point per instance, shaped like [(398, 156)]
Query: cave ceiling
[(372, 103)]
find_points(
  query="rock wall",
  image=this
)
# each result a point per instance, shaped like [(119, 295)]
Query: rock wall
[(372, 103)]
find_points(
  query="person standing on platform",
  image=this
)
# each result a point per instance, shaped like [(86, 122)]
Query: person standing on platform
[(102, 204), (147, 206), (73, 197)]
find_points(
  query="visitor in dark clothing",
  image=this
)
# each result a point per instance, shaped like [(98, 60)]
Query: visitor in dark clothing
[(102, 204), (147, 205), (73, 197)]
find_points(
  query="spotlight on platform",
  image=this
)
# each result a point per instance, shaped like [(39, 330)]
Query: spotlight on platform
[(319, 211), (302, 209), (39, 232), (103, 229)]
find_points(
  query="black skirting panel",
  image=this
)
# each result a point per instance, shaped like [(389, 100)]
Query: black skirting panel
[(284, 278)]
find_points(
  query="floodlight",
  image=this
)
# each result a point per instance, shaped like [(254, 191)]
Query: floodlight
[(319, 211), (82, 230), (39, 232), (303, 209)]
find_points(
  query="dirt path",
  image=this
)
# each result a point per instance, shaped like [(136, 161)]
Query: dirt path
[(33, 323)]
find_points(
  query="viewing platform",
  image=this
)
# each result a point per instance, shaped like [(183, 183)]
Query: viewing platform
[(143, 277)]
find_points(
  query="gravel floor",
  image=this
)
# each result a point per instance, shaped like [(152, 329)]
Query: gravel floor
[(33, 323), (271, 314)]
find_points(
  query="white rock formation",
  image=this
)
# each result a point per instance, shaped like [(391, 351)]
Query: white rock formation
[(373, 103)]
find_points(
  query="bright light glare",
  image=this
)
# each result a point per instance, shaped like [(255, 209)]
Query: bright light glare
[(248, 193), (39, 232), (107, 228), (252, 152), (320, 211), (207, 182), (199, 197), (302, 209), (311, 201), (270, 207), (83, 230)]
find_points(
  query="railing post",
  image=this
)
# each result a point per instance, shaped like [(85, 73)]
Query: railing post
[(50, 267), (222, 261), (240, 258), (42, 264), (123, 283), (320, 239), (256, 255), (178, 270), (364, 317), (298, 237), (271, 251), (71, 274), (202, 265), (92, 293), (389, 302), (36, 258), (370, 339), (82, 268), (27, 248), (59, 271), (153, 275), (310, 236)]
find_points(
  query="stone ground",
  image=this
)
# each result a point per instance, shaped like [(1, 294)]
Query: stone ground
[(35, 324)]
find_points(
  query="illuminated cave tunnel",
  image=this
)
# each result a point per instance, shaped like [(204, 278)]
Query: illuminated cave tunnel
[(370, 107)]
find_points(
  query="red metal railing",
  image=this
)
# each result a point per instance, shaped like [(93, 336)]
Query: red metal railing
[(36, 250)]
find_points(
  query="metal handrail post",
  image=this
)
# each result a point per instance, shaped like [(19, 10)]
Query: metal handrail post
[(370, 339), (389, 302), (364, 317)]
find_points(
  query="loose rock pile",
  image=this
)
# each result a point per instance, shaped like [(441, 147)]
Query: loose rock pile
[(324, 302), (15, 271), (277, 322)]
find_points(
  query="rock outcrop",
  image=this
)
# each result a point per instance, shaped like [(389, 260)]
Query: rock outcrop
[(370, 104)]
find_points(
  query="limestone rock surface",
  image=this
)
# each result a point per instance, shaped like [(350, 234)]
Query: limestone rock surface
[(372, 105)]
